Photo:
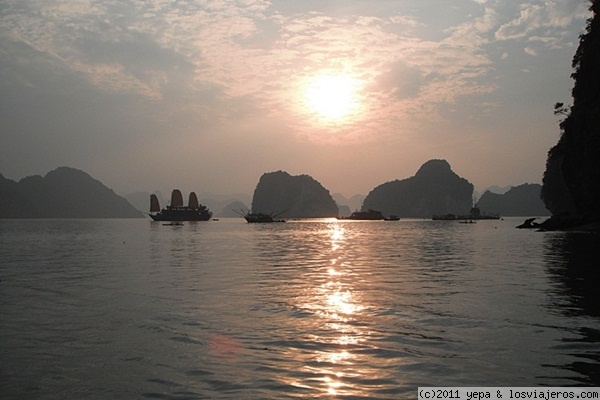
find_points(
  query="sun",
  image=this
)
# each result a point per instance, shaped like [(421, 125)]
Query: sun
[(332, 97)]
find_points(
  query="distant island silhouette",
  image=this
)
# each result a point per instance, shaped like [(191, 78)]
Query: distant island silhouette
[(522, 200), (62, 193), (292, 196), (434, 190)]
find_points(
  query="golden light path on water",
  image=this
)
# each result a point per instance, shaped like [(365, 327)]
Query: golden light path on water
[(336, 301)]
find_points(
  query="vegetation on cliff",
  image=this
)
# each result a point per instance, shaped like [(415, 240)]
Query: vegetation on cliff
[(571, 184)]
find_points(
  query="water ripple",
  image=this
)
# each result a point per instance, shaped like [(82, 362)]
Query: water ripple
[(305, 309)]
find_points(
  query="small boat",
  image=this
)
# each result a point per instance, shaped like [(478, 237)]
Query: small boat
[(258, 217), (176, 211), (369, 215), (392, 218), (474, 214)]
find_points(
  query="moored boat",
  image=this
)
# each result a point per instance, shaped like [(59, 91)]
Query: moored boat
[(369, 215), (176, 211), (474, 214), (259, 217)]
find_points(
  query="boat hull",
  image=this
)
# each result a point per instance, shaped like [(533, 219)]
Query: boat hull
[(452, 217), (182, 215), (261, 219), (370, 215)]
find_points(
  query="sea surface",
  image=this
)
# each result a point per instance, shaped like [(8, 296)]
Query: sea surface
[(134, 309)]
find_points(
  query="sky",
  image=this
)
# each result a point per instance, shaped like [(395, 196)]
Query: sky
[(206, 95)]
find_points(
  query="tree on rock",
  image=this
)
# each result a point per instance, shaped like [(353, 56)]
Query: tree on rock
[(571, 183)]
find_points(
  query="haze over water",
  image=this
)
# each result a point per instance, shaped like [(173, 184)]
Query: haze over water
[(306, 309)]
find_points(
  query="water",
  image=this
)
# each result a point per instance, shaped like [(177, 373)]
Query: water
[(98, 309)]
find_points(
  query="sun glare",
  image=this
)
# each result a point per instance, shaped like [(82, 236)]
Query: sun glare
[(332, 97)]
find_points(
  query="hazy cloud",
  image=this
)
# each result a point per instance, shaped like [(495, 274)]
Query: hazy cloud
[(230, 75), (534, 16)]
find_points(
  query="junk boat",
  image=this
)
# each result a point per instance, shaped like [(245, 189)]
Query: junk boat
[(369, 215), (176, 211)]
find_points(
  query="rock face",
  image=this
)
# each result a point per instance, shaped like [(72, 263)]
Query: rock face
[(62, 193), (435, 189), (522, 200), (294, 196), (571, 186)]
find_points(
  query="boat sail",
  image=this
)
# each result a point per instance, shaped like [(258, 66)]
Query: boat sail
[(176, 198), (193, 201), (154, 205), (176, 211)]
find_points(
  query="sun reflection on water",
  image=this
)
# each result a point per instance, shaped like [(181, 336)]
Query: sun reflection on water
[(335, 302), (342, 303)]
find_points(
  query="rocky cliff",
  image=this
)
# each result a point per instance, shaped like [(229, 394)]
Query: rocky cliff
[(435, 189), (295, 196), (571, 186), (522, 200), (62, 193)]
